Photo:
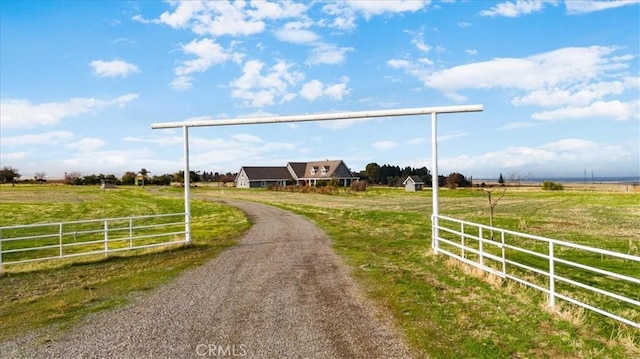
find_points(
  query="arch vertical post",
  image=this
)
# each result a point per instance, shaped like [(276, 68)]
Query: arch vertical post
[(187, 187), (434, 182)]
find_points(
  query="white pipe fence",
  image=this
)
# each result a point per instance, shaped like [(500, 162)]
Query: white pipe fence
[(47, 241), (585, 276)]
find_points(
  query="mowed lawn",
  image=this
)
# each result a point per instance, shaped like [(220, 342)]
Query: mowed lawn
[(445, 309), (448, 310)]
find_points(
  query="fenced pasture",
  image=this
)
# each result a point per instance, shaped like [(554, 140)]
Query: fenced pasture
[(385, 235), (59, 292), (585, 276), (52, 222), (47, 241)]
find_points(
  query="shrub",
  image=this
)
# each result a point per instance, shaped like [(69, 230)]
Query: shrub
[(359, 186), (552, 186)]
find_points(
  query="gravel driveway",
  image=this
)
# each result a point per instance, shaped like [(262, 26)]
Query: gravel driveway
[(280, 293)]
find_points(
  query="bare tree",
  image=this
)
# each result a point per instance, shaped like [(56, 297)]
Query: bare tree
[(517, 177), (73, 178), (492, 204), (39, 176)]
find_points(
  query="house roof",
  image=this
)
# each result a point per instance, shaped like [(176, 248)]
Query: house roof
[(413, 179), (267, 173), (298, 168), (329, 167)]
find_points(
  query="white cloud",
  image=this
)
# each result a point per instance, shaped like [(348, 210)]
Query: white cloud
[(615, 110), (561, 158), (19, 113), (328, 54), (87, 144), (13, 156), (570, 144), (208, 53), (297, 33), (547, 69), (344, 124), (379, 7), (464, 25), (181, 83), (384, 145), (115, 68), (276, 10), (568, 79), (258, 90), (161, 140), (36, 139), (315, 89), (312, 90), (578, 95), (218, 18), (419, 43), (587, 6), (517, 8), (399, 63), (573, 7), (243, 137), (471, 52), (345, 13)]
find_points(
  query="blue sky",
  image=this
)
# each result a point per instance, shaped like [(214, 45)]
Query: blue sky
[(81, 83)]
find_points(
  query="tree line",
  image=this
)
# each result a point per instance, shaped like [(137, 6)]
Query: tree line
[(388, 175), (393, 175), (143, 177)]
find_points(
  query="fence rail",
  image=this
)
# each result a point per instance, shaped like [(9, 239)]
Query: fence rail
[(599, 280), (47, 241)]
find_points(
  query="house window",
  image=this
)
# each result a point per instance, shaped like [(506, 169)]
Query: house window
[(324, 170), (263, 184), (313, 170)]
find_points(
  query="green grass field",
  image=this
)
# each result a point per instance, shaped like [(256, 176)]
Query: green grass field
[(449, 310), (60, 292), (445, 309)]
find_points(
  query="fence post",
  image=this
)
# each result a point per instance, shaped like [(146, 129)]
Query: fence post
[(130, 232), (106, 237), (480, 246), (552, 284), (434, 233), (60, 237), (462, 239), (504, 257)]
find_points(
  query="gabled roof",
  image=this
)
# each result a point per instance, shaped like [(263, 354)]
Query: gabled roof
[(413, 179), (328, 167), (298, 168), (267, 173)]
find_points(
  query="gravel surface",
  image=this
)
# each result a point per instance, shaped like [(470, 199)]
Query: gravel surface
[(280, 293)]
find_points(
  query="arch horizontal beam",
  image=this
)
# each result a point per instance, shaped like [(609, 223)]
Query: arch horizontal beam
[(319, 117)]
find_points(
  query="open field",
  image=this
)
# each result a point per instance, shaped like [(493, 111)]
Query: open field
[(60, 292), (444, 308), (384, 234)]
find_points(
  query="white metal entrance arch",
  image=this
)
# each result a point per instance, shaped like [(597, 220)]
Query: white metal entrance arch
[(433, 111)]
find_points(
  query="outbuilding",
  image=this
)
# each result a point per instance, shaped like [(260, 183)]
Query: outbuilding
[(413, 183)]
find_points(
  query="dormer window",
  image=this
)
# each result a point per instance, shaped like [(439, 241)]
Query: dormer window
[(324, 170), (313, 170)]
